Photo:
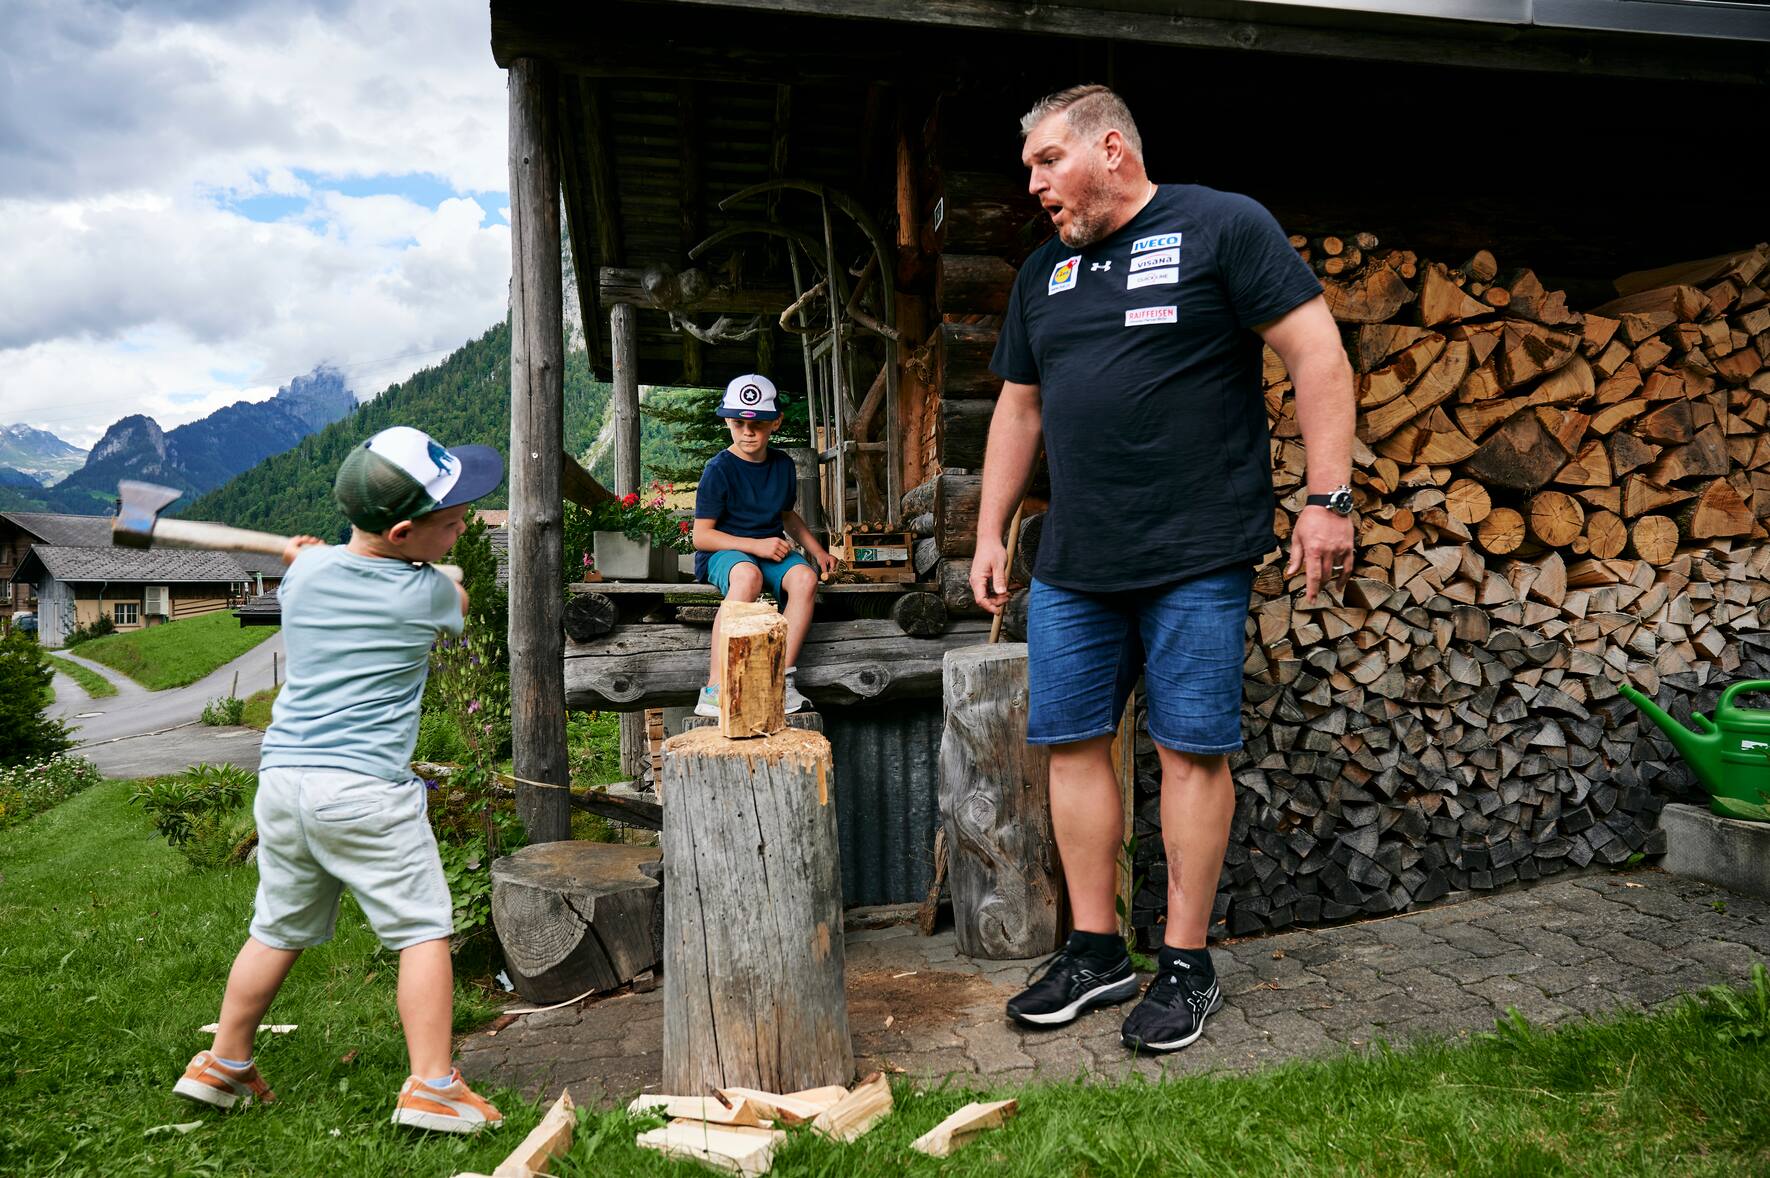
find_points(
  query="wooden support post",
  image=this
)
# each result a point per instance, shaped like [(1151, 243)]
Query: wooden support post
[(753, 977), (995, 803), (623, 326), (752, 655), (537, 411)]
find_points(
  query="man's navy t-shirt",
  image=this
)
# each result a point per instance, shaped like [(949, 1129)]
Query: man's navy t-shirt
[(744, 498), (1149, 380)]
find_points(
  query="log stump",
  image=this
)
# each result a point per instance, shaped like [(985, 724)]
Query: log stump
[(753, 978), (1002, 860), (920, 615), (574, 916)]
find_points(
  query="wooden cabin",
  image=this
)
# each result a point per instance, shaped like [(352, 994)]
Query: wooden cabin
[(829, 192)]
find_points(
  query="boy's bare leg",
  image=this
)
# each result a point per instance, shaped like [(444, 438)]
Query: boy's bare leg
[(800, 584), (745, 584), (1198, 802), (1088, 822), (257, 974), (427, 1007)]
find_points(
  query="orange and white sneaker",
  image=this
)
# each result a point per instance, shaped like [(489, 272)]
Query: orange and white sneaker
[(209, 1081), (455, 1109)]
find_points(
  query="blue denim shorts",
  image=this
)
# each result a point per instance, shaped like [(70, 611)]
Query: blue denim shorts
[(720, 564), (1187, 639)]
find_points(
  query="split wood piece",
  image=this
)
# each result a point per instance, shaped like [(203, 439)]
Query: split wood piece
[(752, 658), (1718, 511), (574, 916), (1627, 453), (1641, 495), (550, 1139), (753, 978), (1442, 301), (1437, 385), (1432, 439), (865, 1106), (1390, 381), (1377, 342), (736, 1148), (1530, 350), (1521, 454), (995, 804), (958, 1129), (792, 1109), (928, 915), (1682, 302), (740, 1110), (1373, 297)]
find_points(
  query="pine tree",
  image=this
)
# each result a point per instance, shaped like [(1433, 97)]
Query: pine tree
[(26, 733)]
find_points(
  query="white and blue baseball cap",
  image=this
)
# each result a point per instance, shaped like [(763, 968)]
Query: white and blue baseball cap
[(752, 398), (402, 473)]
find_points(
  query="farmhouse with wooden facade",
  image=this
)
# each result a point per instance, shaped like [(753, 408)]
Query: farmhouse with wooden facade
[(1548, 279)]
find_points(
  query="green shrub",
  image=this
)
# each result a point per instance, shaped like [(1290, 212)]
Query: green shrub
[(100, 626), (439, 739), (30, 789), (26, 733), (220, 838), (186, 807), (227, 711)]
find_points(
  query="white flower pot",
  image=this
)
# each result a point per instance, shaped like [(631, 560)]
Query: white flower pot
[(621, 558)]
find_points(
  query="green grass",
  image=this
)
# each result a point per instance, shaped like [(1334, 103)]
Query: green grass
[(257, 714), (177, 653), (112, 952), (91, 682)]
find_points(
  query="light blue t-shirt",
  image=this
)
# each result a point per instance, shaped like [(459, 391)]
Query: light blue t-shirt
[(358, 632)]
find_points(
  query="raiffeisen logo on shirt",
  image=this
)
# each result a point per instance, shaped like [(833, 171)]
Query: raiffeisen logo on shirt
[(1160, 241), (1064, 275), (1144, 315)]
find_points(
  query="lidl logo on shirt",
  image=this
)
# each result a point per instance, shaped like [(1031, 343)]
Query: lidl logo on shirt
[(1144, 315), (1064, 275), (1160, 241), (1167, 257), (1153, 278)]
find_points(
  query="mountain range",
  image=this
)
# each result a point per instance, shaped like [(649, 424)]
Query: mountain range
[(195, 457)]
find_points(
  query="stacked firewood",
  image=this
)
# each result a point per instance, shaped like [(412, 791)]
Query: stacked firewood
[(1550, 503)]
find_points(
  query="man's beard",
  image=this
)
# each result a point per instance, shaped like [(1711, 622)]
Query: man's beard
[(1088, 213)]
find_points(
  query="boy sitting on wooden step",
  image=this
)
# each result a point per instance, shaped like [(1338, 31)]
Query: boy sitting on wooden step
[(338, 805), (743, 514)]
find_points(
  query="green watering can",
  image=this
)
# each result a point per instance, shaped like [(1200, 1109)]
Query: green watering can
[(1730, 756)]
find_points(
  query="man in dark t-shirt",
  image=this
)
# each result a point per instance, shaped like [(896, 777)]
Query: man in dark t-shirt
[(1131, 348)]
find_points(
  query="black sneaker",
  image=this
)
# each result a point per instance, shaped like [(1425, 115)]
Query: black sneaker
[(1172, 1014), (1071, 984)]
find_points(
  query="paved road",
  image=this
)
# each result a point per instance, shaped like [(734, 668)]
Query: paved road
[(135, 710), (137, 732)]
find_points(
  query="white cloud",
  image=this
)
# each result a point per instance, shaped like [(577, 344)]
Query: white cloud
[(131, 280)]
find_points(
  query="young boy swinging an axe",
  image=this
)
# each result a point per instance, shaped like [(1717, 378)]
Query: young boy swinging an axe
[(337, 803)]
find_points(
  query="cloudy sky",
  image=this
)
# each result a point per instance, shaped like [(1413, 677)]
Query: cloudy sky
[(201, 199)]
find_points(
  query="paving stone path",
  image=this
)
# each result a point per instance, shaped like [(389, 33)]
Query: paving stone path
[(1563, 949)]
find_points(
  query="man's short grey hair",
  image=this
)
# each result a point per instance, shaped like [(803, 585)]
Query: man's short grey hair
[(1090, 112)]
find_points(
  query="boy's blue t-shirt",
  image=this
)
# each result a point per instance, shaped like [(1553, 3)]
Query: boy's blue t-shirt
[(358, 632), (744, 498)]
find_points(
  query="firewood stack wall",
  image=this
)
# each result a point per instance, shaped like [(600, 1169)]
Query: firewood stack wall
[(1550, 501)]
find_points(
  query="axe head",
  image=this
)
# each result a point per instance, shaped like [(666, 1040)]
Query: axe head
[(138, 509)]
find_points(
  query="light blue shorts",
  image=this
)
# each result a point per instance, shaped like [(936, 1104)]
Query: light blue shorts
[(323, 830), (1187, 639), (774, 572)]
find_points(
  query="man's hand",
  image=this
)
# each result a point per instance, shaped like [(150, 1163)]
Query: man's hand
[(989, 575), (1321, 545), (296, 544), (820, 556), (770, 548)]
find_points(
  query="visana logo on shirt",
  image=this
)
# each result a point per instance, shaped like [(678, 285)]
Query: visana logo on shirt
[(1167, 257), (1064, 275), (1160, 241), (1144, 315)]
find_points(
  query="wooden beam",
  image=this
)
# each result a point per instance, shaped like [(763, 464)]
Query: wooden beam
[(537, 413), (604, 197), (688, 291), (579, 485), (638, 667), (624, 346), (581, 213), (688, 204)]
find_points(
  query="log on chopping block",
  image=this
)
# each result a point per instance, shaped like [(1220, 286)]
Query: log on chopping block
[(574, 917), (1002, 861), (753, 978), (752, 654)]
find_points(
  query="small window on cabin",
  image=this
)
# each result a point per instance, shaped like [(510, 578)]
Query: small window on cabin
[(125, 613)]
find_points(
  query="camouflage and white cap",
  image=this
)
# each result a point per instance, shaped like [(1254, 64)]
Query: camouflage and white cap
[(402, 473)]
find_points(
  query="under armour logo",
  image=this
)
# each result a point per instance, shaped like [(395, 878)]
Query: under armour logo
[(1101, 266)]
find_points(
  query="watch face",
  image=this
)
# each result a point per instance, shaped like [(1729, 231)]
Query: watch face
[(1340, 501)]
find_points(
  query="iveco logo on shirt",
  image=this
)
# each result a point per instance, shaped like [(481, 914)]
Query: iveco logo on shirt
[(1167, 257), (1160, 241), (1144, 315)]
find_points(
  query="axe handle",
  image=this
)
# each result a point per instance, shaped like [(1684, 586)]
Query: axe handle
[(186, 533)]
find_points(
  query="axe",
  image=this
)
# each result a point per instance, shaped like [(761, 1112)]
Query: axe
[(138, 525)]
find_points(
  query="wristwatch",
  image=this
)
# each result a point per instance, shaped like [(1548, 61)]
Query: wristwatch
[(1338, 500)]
